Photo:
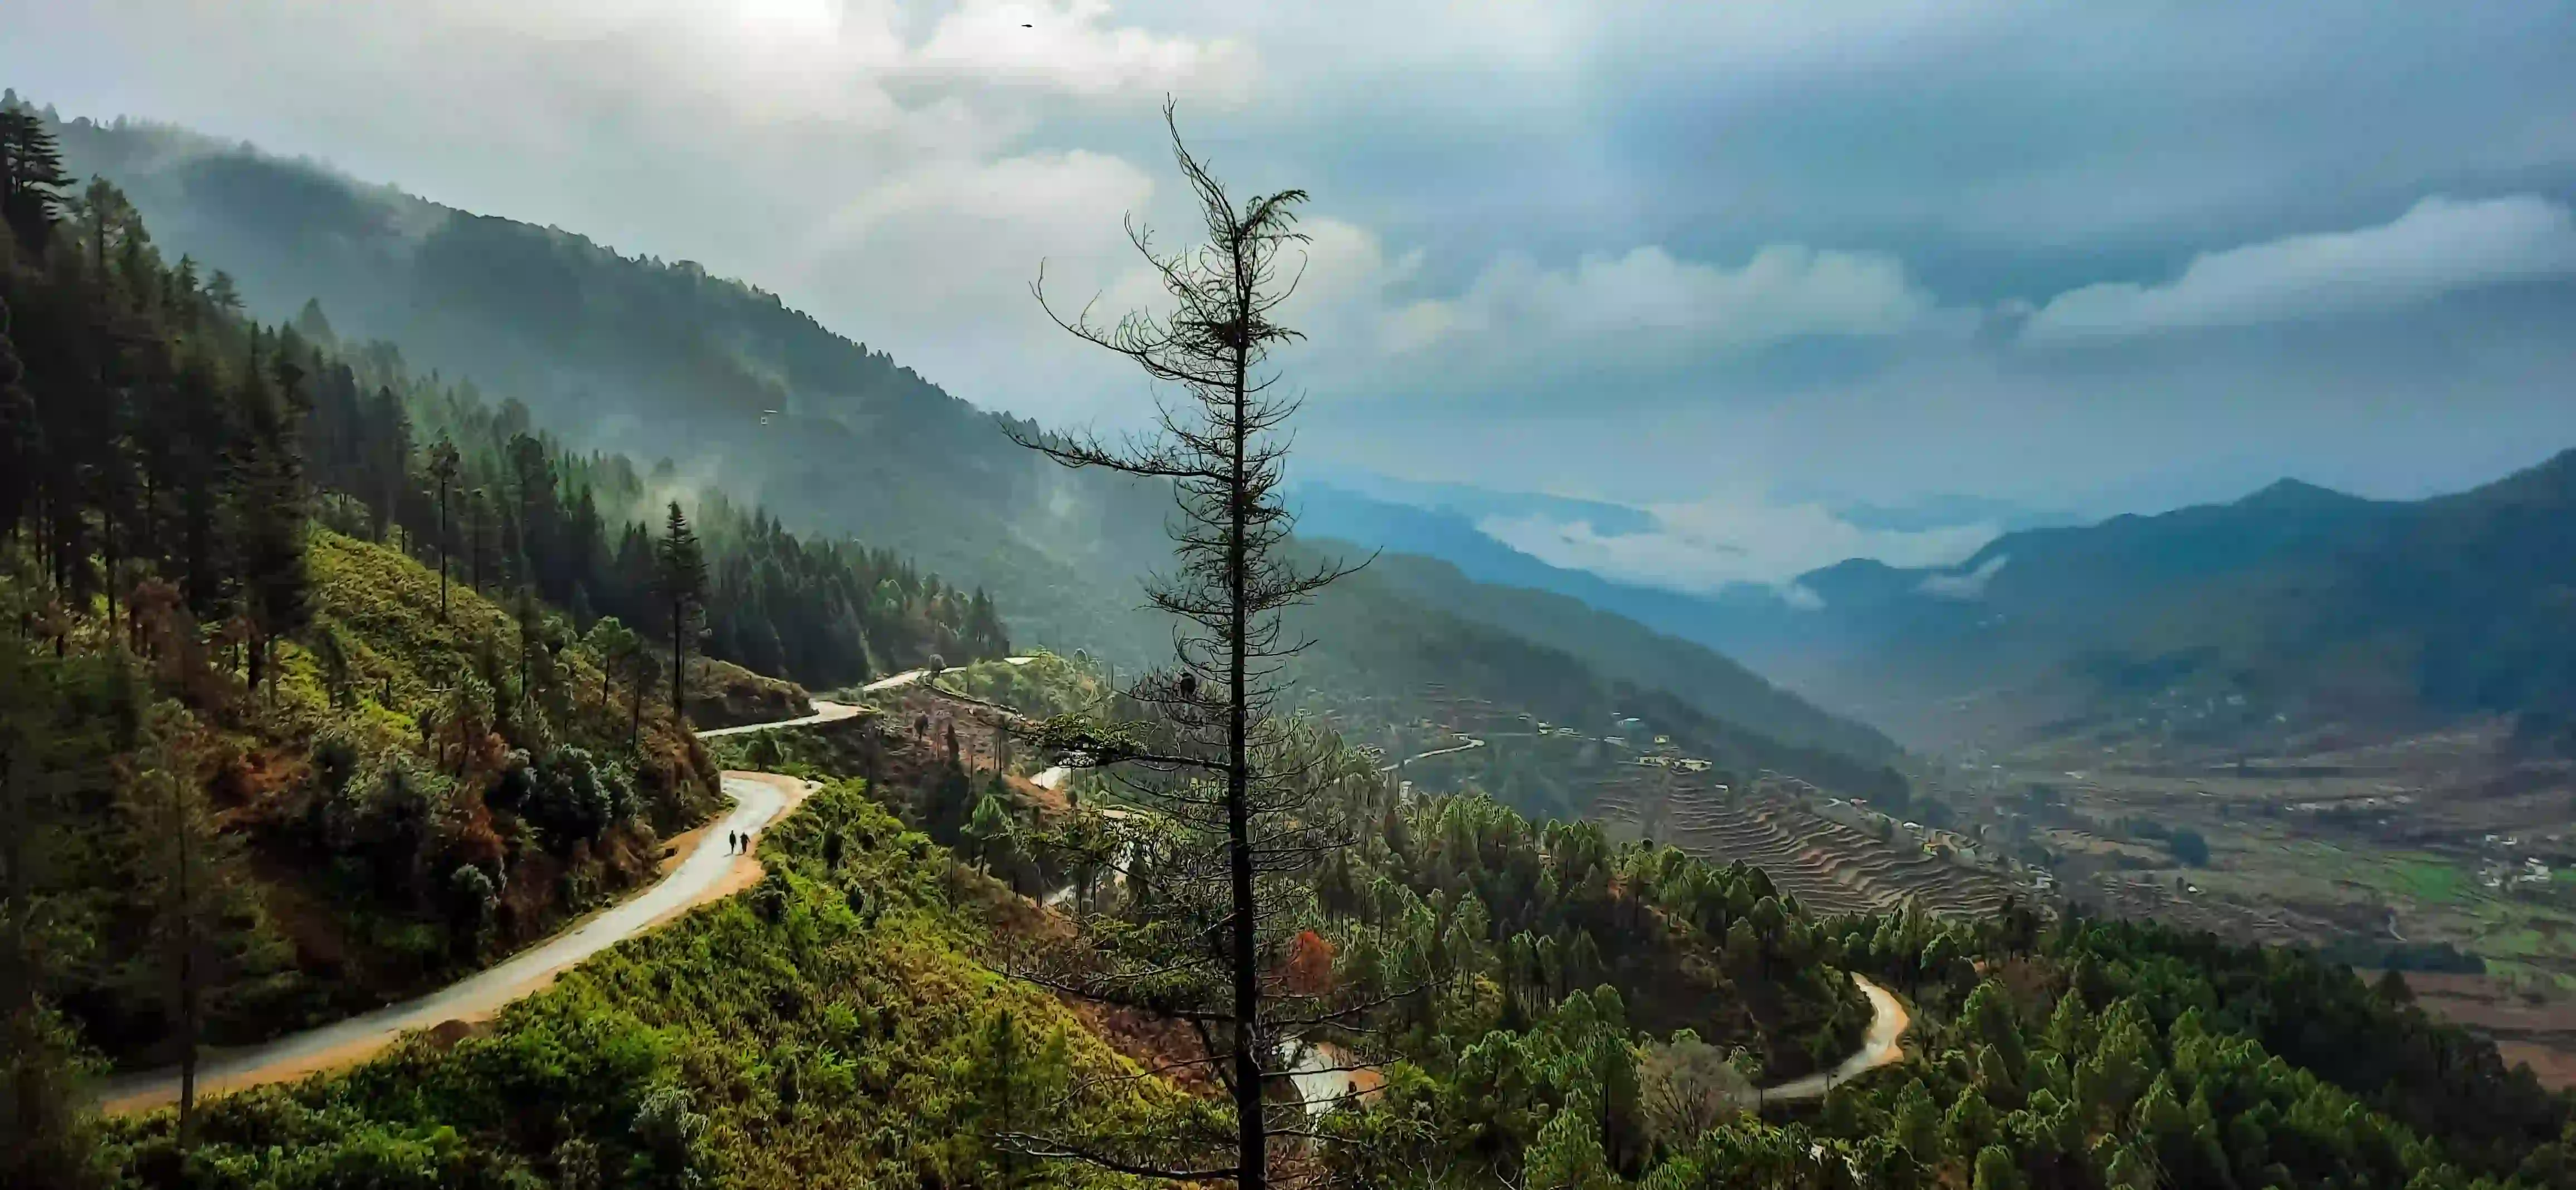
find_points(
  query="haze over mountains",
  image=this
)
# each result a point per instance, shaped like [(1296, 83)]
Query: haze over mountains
[(2302, 604), (661, 360), (2289, 610)]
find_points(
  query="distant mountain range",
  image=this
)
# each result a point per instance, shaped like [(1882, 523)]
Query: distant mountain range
[(744, 393), (2293, 609), (2295, 606)]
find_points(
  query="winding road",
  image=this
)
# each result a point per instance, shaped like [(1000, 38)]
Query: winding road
[(1881, 1046), (824, 712), (897, 682), (708, 873), (1325, 1073)]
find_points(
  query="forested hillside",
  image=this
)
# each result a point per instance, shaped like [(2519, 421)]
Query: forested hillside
[(657, 360), (850, 1001), (1642, 634), (1384, 660), (1623, 650), (291, 719), (757, 399), (1534, 1007)]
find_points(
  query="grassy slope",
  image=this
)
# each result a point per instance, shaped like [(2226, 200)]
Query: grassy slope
[(355, 947), (813, 1048), (723, 694), (1046, 685), (382, 606), (385, 607)]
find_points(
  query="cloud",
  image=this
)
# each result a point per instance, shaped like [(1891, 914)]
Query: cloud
[(1629, 251), (889, 167), (2440, 246), (1647, 296), (1706, 545), (1635, 317), (1971, 585), (1073, 47)]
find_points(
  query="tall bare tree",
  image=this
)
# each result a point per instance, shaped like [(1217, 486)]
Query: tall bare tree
[(1233, 821)]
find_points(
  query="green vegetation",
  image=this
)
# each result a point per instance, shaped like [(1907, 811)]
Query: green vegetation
[(834, 1025), (1046, 685), (389, 758), (1382, 664), (590, 533), (290, 721), (2116, 1054), (2083, 1054), (264, 772), (1511, 918), (656, 358), (2429, 879)]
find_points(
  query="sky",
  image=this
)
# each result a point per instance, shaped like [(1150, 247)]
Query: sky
[(1753, 267)]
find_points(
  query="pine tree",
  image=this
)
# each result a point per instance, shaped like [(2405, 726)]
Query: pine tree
[(443, 465), (269, 498), (41, 1108), (21, 435), (186, 886), (681, 580), (31, 178)]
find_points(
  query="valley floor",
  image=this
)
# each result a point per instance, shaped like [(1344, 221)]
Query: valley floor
[(2444, 849)]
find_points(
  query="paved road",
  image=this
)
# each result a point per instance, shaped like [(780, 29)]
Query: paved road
[(906, 678), (1471, 744), (824, 712), (1882, 1046), (896, 682), (709, 872), (1322, 1086)]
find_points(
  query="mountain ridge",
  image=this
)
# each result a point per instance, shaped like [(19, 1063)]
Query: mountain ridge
[(2439, 606), (666, 360)]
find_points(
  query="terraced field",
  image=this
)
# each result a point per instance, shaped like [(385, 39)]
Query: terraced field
[(1829, 867)]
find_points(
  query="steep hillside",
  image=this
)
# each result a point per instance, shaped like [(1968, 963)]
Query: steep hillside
[(839, 1024), (306, 699), (760, 400), (339, 808), (1627, 652), (653, 359)]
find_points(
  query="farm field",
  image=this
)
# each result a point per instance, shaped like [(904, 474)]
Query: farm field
[(2395, 852)]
